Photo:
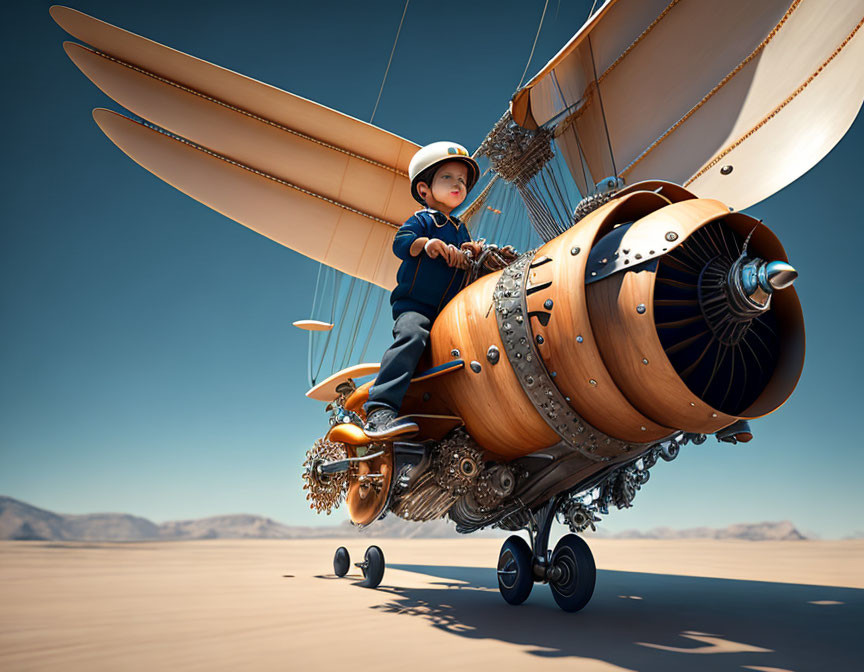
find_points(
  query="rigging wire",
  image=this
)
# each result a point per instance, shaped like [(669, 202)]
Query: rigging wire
[(533, 46), (360, 307), (602, 111), (390, 60)]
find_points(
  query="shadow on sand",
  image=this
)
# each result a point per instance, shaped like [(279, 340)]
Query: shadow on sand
[(651, 622)]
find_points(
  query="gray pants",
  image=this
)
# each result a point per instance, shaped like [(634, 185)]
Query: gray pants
[(410, 336)]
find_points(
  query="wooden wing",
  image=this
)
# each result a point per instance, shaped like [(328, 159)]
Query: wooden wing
[(733, 99), (322, 183)]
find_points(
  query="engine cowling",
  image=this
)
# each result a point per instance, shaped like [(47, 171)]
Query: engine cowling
[(647, 318)]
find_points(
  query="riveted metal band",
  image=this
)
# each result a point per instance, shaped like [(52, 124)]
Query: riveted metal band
[(511, 312)]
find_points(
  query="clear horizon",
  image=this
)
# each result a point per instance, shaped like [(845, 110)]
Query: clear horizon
[(148, 363)]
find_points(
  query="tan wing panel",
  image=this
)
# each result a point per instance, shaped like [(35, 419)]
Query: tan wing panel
[(344, 238), (341, 183), (254, 97), (374, 188), (688, 85)]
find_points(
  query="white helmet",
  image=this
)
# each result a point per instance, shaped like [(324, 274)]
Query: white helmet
[(439, 152)]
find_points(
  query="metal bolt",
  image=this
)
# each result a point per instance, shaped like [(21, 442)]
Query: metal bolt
[(553, 374), (454, 353), (493, 355), (725, 170), (643, 428), (475, 367), (547, 304), (579, 339), (640, 308), (713, 415), (671, 236), (574, 251), (593, 382), (540, 339), (644, 361), (638, 256)]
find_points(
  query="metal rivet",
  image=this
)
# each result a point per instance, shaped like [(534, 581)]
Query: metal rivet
[(671, 236), (640, 308), (593, 273), (540, 339), (693, 403), (475, 367), (574, 251), (567, 399), (519, 319), (493, 355), (638, 256), (593, 382), (643, 428), (426, 396), (626, 261), (644, 361), (579, 339), (725, 170), (650, 251), (454, 353), (626, 250), (529, 380), (553, 374), (713, 415), (547, 304)]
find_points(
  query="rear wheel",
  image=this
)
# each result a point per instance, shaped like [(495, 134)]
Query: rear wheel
[(574, 562), (515, 570), (373, 567), (341, 561)]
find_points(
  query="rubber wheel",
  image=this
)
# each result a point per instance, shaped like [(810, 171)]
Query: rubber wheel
[(576, 586), (374, 569), (341, 561), (515, 570)]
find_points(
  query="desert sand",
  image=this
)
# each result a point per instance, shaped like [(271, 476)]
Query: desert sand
[(275, 605)]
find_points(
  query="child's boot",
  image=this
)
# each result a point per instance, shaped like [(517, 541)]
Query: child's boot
[(382, 423)]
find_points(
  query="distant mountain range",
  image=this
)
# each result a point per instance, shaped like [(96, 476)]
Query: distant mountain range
[(21, 521)]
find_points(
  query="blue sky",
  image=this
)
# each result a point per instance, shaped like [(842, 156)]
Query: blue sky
[(147, 359)]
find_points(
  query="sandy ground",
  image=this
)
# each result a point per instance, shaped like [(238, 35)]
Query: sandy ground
[(274, 605)]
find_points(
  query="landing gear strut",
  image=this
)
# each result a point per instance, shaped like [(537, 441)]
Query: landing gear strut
[(569, 569)]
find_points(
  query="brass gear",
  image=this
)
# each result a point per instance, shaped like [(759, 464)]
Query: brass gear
[(325, 492)]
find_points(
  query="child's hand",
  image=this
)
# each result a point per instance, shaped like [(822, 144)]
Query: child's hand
[(435, 247), (474, 246)]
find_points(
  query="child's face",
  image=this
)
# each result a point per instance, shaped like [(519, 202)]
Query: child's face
[(449, 186)]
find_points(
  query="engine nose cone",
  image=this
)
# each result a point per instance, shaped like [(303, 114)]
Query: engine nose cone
[(780, 275), (752, 281)]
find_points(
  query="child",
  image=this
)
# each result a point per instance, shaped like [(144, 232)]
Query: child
[(431, 246)]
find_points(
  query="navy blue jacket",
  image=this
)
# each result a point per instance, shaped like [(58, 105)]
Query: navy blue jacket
[(425, 284)]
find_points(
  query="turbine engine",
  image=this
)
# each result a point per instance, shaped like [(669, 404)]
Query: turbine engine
[(655, 314)]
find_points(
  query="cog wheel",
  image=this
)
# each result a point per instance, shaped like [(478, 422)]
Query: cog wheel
[(457, 463), (325, 492)]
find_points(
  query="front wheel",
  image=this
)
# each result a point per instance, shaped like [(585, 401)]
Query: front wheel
[(574, 563), (515, 570)]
